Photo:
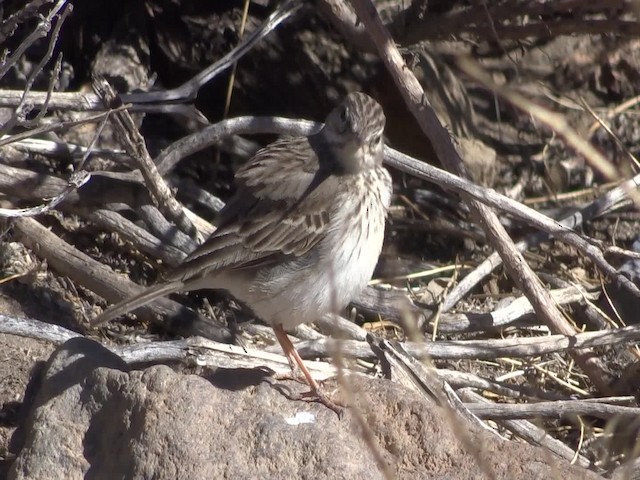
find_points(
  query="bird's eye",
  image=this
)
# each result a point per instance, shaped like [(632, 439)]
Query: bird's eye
[(344, 120), (377, 139), (343, 115)]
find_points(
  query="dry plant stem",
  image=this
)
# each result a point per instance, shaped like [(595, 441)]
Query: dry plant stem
[(491, 198), (529, 432), (339, 327), (139, 237), (63, 149), (189, 90), (100, 279), (512, 313), (146, 101), (519, 392), (493, 261), (9, 24), (29, 185), (193, 192), (508, 24), (395, 305), (164, 230), (232, 74), (55, 73), (207, 352), (215, 134), (27, 327), (541, 30), (542, 302), (557, 409), (18, 116), (171, 248), (557, 123), (77, 101), (42, 29), (88, 102), (52, 127), (432, 387), (196, 350), (515, 264), (490, 349), (488, 21), (135, 146), (76, 180)]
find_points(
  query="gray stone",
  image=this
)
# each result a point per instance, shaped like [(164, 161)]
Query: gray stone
[(92, 418)]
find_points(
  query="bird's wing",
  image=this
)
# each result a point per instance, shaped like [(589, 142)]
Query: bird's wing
[(280, 209)]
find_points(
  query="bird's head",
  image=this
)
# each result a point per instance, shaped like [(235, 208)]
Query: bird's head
[(353, 131)]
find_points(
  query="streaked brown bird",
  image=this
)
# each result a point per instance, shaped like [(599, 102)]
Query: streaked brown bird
[(302, 235)]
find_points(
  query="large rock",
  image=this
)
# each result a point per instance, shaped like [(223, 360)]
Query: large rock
[(93, 418)]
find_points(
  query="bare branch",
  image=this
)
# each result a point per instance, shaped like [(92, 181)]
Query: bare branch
[(490, 349), (76, 180), (135, 145), (41, 30)]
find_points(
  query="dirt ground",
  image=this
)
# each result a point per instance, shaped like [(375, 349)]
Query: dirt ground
[(19, 356)]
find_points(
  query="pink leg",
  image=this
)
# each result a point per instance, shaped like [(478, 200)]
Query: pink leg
[(294, 357)]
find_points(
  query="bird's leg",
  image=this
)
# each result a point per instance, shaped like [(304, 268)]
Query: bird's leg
[(294, 359)]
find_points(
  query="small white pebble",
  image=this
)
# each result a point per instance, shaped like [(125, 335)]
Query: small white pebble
[(300, 418)]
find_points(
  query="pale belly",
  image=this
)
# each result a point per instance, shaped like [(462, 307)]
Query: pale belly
[(324, 280)]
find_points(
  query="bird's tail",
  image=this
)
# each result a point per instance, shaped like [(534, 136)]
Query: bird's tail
[(141, 299)]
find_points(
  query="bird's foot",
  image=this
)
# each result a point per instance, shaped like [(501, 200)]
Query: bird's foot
[(318, 396)]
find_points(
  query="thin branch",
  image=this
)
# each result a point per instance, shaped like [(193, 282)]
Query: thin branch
[(100, 279), (558, 409), (76, 180), (195, 350), (18, 116), (489, 349), (588, 212), (518, 20), (156, 101), (64, 149), (516, 266), (189, 90), (41, 30), (532, 434), (135, 146), (514, 208), (9, 24), (57, 125)]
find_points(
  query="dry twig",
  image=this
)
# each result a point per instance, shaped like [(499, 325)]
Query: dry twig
[(517, 267)]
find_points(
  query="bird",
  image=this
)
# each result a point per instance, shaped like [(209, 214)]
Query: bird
[(302, 234)]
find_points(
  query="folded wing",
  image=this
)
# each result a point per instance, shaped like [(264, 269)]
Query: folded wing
[(277, 211)]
